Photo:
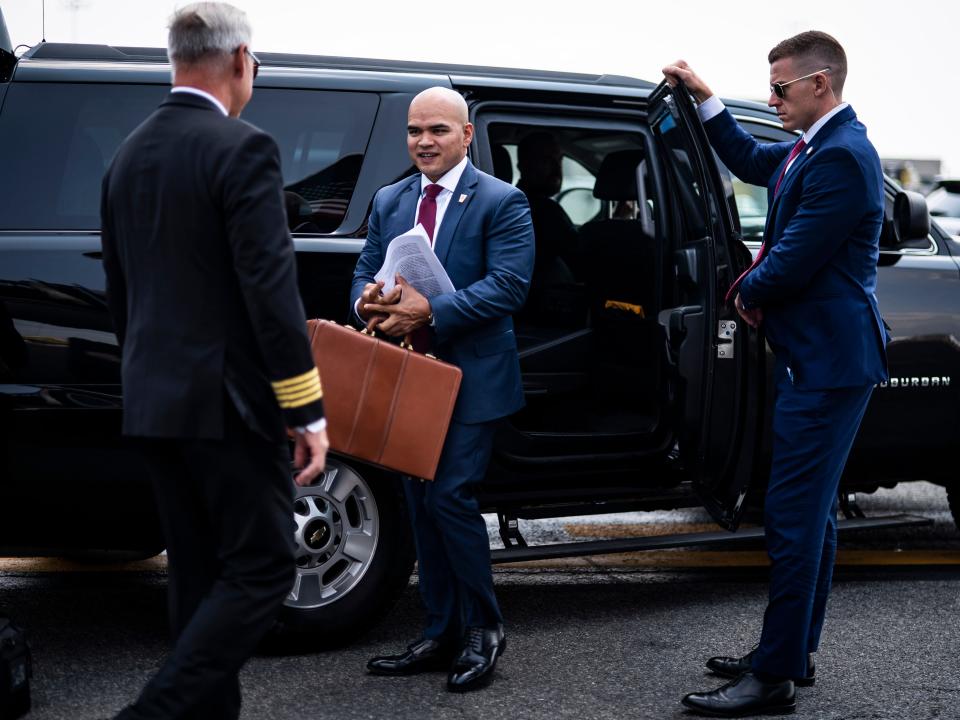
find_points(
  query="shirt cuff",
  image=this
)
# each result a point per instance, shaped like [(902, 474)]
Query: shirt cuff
[(710, 108), (314, 427)]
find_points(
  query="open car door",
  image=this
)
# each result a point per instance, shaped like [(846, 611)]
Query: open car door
[(714, 356)]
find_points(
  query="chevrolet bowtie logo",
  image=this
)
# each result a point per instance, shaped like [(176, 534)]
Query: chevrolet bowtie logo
[(317, 537)]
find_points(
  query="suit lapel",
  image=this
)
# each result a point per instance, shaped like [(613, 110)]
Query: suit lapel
[(454, 211), (405, 214), (791, 173), (845, 115)]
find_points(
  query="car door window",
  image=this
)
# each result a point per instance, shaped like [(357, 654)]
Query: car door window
[(685, 181), (71, 132), (322, 137), (576, 193)]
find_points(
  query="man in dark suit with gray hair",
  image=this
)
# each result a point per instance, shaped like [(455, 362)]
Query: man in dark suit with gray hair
[(201, 285)]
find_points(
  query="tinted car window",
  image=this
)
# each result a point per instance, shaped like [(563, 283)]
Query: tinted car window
[(322, 137), (684, 176), (57, 139)]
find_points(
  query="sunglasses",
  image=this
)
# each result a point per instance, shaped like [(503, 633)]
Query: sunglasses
[(779, 88), (256, 62)]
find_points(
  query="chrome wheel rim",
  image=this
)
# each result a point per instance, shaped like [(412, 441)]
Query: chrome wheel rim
[(336, 536)]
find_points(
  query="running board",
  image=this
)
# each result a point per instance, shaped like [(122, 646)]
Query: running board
[(662, 542)]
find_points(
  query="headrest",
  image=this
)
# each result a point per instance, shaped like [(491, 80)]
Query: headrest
[(617, 179), (502, 164)]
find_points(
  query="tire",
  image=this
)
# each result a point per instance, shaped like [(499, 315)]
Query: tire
[(354, 555), (953, 496)]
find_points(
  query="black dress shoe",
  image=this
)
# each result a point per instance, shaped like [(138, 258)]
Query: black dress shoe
[(729, 667), (481, 648), (422, 656), (746, 695)]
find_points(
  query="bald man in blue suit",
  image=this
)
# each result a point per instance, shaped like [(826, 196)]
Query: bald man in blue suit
[(812, 289), (482, 234)]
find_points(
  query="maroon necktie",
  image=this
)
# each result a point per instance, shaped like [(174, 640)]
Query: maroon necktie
[(426, 216), (797, 149)]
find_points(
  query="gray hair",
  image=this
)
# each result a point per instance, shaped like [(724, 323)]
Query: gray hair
[(204, 29)]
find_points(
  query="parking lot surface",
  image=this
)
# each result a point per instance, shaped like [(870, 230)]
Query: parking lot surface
[(604, 637)]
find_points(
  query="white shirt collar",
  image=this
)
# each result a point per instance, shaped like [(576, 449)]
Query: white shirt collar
[(449, 180), (200, 93), (815, 128)]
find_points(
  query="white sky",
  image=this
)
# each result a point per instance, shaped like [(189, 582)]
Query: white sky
[(901, 54)]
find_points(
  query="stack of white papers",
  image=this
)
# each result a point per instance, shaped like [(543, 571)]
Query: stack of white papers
[(410, 255)]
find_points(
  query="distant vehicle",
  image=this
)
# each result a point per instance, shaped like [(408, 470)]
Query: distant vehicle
[(944, 204)]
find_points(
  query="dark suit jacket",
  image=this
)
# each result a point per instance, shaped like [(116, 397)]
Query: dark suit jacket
[(201, 277), (485, 243), (817, 282)]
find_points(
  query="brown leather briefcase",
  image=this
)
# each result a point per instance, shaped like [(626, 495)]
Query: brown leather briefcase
[(384, 404)]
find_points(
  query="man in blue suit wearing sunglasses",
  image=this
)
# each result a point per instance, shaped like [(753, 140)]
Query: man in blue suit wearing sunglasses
[(812, 290)]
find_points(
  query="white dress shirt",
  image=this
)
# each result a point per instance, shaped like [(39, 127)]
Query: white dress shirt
[(200, 93), (713, 106), (448, 181)]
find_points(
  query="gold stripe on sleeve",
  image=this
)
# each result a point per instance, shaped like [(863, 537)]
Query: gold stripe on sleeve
[(299, 390), (296, 380), (311, 397), (309, 392)]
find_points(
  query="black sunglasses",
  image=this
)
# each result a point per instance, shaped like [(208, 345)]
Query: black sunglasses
[(256, 62), (778, 88)]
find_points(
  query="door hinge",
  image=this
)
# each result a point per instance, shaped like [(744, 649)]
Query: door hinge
[(726, 333)]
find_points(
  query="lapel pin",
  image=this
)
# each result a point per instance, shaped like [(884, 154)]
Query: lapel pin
[(809, 150), (462, 198)]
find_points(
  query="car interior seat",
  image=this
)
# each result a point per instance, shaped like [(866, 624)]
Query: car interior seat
[(622, 281)]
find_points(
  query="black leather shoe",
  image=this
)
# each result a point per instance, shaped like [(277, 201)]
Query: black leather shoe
[(729, 667), (421, 656), (474, 667), (746, 695)]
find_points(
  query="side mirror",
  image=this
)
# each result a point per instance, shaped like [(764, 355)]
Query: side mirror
[(911, 219)]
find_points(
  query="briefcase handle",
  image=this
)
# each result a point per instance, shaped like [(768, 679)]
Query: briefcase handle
[(405, 344)]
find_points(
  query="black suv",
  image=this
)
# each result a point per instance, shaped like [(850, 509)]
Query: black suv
[(643, 390)]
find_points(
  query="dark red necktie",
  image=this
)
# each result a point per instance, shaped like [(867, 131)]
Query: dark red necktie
[(426, 216), (797, 149)]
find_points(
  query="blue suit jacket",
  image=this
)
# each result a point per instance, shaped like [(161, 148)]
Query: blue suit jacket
[(817, 282), (486, 245)]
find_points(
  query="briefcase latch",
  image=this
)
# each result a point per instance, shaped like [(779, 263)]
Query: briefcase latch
[(726, 334)]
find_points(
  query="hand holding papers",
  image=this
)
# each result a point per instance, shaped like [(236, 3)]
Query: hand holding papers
[(411, 256), (410, 276)]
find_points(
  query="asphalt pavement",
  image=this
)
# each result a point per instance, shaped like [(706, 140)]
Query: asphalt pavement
[(604, 638)]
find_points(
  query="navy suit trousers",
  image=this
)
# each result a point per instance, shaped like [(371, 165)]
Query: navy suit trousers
[(453, 549), (813, 433)]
